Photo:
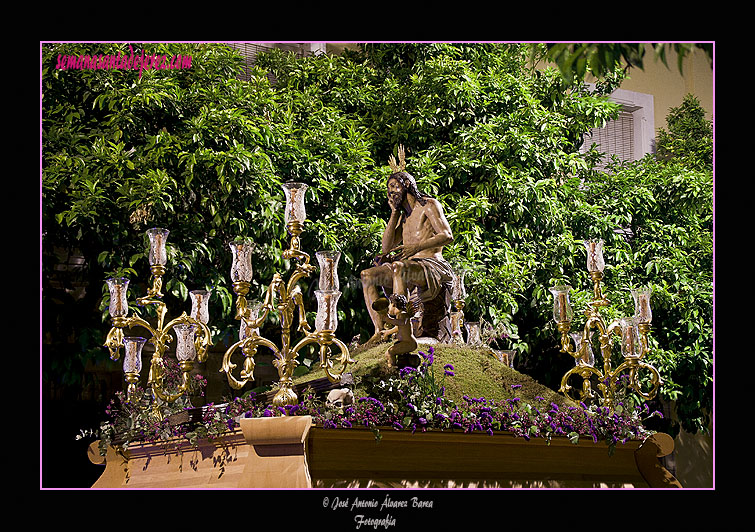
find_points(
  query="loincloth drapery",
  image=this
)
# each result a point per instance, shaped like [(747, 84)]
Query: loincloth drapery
[(438, 273)]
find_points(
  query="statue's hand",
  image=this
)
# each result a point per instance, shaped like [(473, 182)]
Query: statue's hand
[(394, 201), (406, 251)]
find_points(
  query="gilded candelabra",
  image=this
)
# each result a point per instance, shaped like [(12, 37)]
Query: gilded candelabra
[(286, 298), (192, 334), (632, 330)]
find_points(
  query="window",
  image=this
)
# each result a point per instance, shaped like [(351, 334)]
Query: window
[(632, 134), (249, 51)]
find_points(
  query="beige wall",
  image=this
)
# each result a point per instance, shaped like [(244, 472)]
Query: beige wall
[(669, 87)]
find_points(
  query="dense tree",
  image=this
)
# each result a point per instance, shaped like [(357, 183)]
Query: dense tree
[(203, 153)]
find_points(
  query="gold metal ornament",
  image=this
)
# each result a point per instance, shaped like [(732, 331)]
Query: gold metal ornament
[(400, 165), (633, 332), (285, 298), (160, 334)]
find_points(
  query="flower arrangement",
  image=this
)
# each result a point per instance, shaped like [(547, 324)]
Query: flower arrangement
[(414, 399)]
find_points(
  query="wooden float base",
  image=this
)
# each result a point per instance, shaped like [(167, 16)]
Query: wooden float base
[(288, 452)]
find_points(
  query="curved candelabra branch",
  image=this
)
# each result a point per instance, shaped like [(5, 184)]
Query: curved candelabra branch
[(606, 378), (634, 365), (585, 372), (248, 347), (114, 338), (327, 362)]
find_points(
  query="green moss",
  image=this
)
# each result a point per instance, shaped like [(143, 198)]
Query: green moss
[(476, 374)]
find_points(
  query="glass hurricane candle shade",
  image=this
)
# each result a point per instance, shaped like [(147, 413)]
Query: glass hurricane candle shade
[(132, 359), (158, 255), (118, 287), (328, 269), (473, 333), (246, 330), (241, 267), (327, 310), (595, 262), (199, 308), (185, 348), (562, 310), (458, 292), (642, 312), (630, 338), (587, 358), (295, 210)]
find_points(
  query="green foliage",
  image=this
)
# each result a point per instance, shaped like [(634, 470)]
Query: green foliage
[(689, 138), (604, 60), (203, 153)]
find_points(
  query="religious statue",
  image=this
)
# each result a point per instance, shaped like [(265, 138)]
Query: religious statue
[(411, 262)]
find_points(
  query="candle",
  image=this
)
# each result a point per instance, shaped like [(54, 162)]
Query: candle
[(642, 311), (185, 349), (630, 339), (562, 310), (562, 306), (328, 269), (595, 262), (458, 290), (473, 333)]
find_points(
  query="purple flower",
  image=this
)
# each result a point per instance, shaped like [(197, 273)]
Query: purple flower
[(429, 356), (403, 372)]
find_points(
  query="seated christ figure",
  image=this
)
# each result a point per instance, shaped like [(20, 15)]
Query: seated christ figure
[(411, 258)]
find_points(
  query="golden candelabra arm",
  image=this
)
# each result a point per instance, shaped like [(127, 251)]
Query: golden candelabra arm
[(329, 363), (564, 327), (114, 339)]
